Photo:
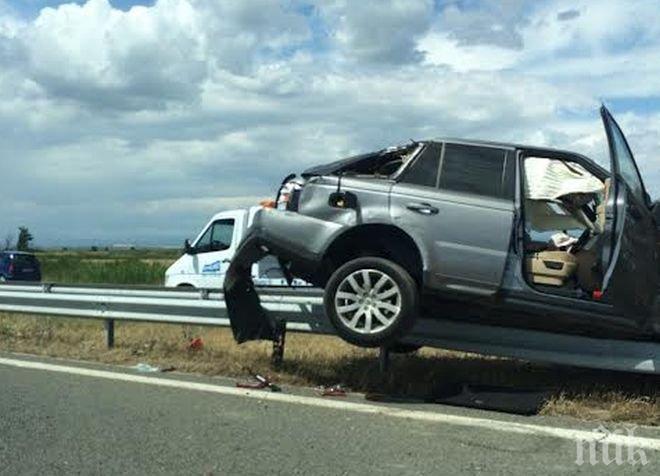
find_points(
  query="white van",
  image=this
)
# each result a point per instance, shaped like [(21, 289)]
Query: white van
[(206, 260)]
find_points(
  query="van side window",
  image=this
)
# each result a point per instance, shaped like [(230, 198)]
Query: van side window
[(476, 170), (424, 170), (217, 237)]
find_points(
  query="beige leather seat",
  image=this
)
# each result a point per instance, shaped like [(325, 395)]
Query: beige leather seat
[(552, 268)]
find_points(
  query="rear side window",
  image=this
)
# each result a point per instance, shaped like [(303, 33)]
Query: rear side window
[(476, 170), (424, 170)]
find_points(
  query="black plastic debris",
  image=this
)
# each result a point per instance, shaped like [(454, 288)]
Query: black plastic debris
[(515, 400)]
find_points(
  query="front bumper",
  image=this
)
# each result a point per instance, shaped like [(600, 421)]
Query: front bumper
[(291, 237)]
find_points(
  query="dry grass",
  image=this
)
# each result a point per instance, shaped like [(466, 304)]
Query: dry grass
[(320, 360)]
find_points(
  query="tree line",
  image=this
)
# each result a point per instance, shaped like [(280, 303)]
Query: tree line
[(22, 243)]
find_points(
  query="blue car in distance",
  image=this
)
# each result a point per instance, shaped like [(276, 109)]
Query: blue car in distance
[(19, 266)]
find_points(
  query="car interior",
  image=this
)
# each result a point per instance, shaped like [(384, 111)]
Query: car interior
[(564, 219)]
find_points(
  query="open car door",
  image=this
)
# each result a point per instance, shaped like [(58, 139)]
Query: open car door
[(630, 260)]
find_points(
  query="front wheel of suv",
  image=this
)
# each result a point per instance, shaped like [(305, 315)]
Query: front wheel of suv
[(371, 302)]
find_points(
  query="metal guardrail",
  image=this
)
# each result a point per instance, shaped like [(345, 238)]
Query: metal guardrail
[(302, 310)]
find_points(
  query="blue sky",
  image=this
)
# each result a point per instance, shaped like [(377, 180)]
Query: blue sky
[(129, 124)]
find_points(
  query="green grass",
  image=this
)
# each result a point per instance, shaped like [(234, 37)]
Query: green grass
[(145, 267)]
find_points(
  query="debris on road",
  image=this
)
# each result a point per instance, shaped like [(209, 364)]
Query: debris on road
[(333, 391), (505, 399), (259, 382), (142, 367)]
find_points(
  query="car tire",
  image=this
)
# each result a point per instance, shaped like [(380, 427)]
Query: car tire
[(371, 302)]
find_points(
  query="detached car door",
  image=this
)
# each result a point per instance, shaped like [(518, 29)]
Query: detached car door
[(630, 257)]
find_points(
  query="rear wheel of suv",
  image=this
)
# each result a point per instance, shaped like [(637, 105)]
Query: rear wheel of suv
[(371, 302)]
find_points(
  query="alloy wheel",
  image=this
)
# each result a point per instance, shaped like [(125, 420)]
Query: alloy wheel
[(368, 301)]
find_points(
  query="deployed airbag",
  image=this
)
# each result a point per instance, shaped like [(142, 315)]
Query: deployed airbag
[(551, 179)]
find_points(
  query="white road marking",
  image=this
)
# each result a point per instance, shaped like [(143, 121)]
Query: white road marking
[(365, 408)]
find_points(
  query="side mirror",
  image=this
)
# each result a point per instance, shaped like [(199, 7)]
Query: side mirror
[(342, 200), (187, 248)]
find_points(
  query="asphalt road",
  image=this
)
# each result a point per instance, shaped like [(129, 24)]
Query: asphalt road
[(62, 423)]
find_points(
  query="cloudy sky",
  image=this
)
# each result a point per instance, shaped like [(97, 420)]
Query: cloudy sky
[(133, 121)]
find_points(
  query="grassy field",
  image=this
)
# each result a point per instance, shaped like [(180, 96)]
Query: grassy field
[(323, 360), (107, 267)]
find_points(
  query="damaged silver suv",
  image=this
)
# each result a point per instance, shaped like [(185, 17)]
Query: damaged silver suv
[(494, 233)]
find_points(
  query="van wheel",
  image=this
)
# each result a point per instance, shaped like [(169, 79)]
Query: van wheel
[(371, 302)]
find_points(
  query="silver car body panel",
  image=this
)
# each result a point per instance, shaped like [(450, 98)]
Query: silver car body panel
[(464, 244)]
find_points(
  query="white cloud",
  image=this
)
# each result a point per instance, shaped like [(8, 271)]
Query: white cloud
[(380, 31), (493, 22), (440, 49), (99, 55)]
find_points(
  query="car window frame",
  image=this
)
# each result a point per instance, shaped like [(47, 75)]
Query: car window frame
[(612, 127), (399, 175), (508, 156)]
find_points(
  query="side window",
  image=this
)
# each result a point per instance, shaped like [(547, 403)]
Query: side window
[(476, 170), (223, 232), (217, 237), (424, 170), (204, 243)]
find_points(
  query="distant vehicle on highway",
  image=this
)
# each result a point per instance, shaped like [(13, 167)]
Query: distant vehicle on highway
[(205, 261), (19, 266)]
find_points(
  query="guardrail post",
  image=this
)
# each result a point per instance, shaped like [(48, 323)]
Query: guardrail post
[(279, 338), (384, 359), (110, 333)]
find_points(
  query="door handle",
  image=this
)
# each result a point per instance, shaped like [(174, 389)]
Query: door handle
[(422, 208)]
